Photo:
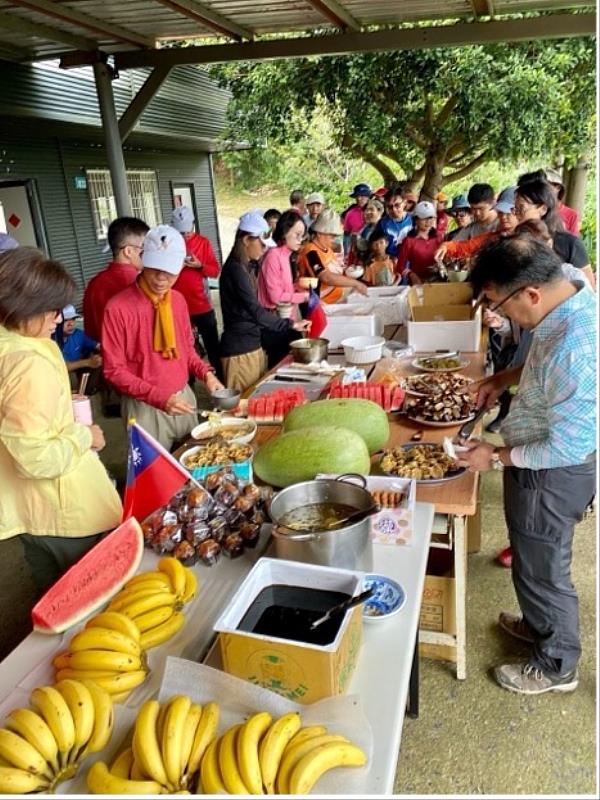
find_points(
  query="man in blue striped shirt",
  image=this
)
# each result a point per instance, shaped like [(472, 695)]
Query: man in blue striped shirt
[(549, 457)]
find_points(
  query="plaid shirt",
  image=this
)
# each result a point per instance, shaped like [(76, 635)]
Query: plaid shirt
[(552, 420)]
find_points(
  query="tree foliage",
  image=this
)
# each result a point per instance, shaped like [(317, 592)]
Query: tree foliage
[(431, 116)]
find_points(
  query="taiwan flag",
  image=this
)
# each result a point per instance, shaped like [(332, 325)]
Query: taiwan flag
[(316, 315), (153, 475)]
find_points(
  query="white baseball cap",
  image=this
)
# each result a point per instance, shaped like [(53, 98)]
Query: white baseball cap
[(182, 219), (315, 197), (164, 249), (253, 223), (424, 210), (69, 312)]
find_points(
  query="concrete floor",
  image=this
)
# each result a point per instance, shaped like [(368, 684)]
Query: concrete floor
[(471, 737)]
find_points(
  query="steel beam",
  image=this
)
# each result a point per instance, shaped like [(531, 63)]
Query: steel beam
[(210, 19), (114, 151), (335, 13), (21, 25), (556, 26), (145, 94), (19, 55), (71, 16)]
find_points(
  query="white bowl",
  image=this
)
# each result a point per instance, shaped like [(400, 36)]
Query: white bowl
[(355, 271), (363, 349), (206, 428)]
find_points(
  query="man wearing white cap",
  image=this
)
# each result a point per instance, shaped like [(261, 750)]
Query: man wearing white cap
[(315, 203), (148, 345), (200, 264)]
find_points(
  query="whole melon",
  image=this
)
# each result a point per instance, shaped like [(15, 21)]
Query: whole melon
[(92, 580), (361, 416), (299, 455)]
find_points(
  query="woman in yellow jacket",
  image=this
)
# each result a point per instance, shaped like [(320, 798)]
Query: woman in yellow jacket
[(54, 490)]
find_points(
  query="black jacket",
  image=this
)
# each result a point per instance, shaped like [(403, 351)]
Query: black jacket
[(243, 315)]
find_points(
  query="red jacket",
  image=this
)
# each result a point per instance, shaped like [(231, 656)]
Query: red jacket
[(98, 292), (131, 364), (191, 281), (418, 255), (570, 219)]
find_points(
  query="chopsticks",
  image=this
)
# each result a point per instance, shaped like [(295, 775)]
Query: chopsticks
[(83, 383)]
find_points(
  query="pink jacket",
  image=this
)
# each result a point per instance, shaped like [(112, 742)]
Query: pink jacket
[(354, 221), (275, 283)]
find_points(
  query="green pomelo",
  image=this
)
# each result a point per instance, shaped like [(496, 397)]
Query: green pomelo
[(361, 416)]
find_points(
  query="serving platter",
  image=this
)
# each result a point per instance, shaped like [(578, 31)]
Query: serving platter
[(432, 424), (407, 384), (450, 476), (416, 363)]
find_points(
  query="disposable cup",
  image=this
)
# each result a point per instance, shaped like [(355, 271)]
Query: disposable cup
[(82, 410)]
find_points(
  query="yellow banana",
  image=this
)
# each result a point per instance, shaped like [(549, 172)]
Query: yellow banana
[(148, 587), (116, 622), (145, 743), (35, 730), (147, 602), (228, 764), (137, 773), (144, 577), (101, 781), (61, 660), (164, 632), (210, 781), (121, 682), (103, 718), (120, 697), (292, 756), (18, 753), (191, 586), (248, 739), (104, 660), (121, 766), (308, 732), (153, 619), (172, 737), (175, 571), (83, 674), (311, 766), (54, 709), (191, 723), (272, 746), (17, 781), (104, 639), (205, 733), (81, 705)]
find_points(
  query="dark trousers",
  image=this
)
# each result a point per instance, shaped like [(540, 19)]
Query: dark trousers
[(206, 325), (49, 557), (542, 508)]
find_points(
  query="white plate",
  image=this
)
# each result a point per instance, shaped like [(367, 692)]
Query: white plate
[(388, 599), (433, 424), (463, 363), (207, 427), (408, 390)]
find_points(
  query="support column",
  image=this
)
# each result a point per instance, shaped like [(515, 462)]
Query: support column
[(112, 138), (577, 183)]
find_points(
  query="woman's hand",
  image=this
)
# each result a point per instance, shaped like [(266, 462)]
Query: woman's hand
[(303, 325), (440, 253), (213, 384), (176, 405), (98, 442), (361, 288)]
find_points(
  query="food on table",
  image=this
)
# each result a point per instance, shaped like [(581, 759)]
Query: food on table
[(90, 582), (435, 383), (316, 516), (217, 452), (364, 417), (387, 498), (299, 455), (274, 406), (421, 462), (440, 362), (45, 744), (389, 398), (226, 429), (448, 405)]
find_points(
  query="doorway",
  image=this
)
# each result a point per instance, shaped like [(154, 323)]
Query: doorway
[(184, 195), (20, 213)]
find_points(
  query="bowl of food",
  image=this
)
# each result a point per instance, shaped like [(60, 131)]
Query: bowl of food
[(457, 275), (226, 399), (308, 283), (425, 463), (387, 599), (309, 351), (444, 362), (355, 271), (363, 349), (232, 429)]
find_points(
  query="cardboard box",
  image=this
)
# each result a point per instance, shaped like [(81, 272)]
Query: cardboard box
[(298, 671), (438, 612), (441, 317)]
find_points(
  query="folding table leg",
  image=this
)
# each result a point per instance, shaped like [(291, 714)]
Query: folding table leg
[(412, 706), (460, 588)]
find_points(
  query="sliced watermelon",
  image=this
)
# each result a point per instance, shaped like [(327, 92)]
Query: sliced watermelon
[(92, 581)]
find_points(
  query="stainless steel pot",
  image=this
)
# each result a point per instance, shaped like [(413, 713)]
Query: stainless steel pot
[(347, 547), (308, 351)]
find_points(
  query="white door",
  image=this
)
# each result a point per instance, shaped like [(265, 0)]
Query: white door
[(16, 218)]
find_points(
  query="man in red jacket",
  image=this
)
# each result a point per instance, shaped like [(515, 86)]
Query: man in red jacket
[(200, 264), (148, 344)]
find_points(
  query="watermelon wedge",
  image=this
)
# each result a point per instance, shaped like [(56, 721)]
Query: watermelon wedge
[(92, 581)]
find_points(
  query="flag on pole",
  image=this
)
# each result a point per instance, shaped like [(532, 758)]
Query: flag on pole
[(316, 315), (153, 475)]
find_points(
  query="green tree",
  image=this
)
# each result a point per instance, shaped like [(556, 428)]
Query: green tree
[(429, 117)]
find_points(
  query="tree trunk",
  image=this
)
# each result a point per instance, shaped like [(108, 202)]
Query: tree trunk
[(576, 184), (433, 179)]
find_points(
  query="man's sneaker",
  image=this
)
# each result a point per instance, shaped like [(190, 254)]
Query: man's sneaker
[(516, 626), (526, 678)]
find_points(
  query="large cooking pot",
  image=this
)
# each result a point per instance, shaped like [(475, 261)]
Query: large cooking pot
[(309, 351), (347, 547)]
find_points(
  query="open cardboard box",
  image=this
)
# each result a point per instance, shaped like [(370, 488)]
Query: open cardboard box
[(442, 316)]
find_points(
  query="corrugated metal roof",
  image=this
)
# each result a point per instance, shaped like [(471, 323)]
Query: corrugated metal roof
[(33, 29)]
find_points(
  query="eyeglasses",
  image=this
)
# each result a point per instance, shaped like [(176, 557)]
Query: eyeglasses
[(521, 208), (139, 247), (506, 299)]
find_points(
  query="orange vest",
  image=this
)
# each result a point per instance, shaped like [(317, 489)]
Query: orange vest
[(328, 294)]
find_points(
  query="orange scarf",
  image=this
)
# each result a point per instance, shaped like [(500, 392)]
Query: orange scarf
[(165, 341)]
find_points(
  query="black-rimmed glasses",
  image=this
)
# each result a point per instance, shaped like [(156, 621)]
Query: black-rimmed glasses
[(508, 296)]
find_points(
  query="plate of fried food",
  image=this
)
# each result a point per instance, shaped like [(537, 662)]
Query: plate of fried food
[(425, 463), (443, 409), (432, 383), (440, 363), (219, 451), (233, 429)]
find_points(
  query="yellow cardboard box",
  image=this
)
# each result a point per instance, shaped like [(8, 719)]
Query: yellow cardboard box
[(301, 672), (438, 612)]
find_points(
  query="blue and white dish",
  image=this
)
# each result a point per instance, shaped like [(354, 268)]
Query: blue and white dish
[(387, 599)]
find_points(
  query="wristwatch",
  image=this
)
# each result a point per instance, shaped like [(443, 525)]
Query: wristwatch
[(495, 459)]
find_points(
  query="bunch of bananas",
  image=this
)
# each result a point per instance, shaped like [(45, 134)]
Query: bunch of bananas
[(107, 651), (44, 745), (168, 744), (153, 600)]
